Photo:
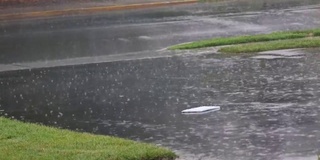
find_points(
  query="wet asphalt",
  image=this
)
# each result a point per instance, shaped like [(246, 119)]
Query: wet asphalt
[(269, 107), (147, 30)]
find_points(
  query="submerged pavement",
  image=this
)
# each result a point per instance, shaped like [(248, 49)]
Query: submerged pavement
[(111, 79), (269, 108), (116, 33)]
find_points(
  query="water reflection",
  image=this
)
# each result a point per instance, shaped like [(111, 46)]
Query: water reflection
[(269, 107)]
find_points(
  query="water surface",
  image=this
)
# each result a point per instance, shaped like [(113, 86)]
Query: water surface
[(269, 108)]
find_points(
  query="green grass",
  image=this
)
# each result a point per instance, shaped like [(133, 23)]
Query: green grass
[(272, 45), (248, 39), (35, 142)]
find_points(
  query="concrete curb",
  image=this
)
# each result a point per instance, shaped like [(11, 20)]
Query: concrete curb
[(91, 10)]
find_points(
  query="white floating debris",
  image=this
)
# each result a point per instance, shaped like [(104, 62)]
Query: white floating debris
[(201, 110)]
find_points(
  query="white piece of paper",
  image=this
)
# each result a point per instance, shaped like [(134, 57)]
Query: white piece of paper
[(201, 109)]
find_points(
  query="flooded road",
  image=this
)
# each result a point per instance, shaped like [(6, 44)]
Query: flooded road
[(114, 33), (269, 108)]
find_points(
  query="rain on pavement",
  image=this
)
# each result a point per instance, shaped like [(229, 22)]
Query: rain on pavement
[(269, 107)]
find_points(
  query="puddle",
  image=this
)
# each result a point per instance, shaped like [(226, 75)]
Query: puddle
[(268, 57), (284, 53), (281, 54), (270, 108)]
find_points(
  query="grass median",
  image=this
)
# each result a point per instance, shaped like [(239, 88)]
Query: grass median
[(27, 141), (287, 38)]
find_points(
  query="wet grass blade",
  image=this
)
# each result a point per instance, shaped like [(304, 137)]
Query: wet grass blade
[(248, 39), (29, 141)]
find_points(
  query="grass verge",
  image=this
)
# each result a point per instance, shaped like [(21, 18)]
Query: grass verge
[(31, 142), (248, 39), (272, 45)]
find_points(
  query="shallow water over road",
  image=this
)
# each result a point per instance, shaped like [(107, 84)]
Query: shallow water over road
[(269, 103), (269, 108), (115, 33)]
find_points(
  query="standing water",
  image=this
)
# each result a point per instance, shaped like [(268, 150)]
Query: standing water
[(269, 108), (269, 104)]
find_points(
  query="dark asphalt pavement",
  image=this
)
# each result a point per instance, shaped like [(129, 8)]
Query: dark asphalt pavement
[(107, 76), (147, 30)]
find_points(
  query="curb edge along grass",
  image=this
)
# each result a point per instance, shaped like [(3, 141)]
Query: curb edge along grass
[(248, 39), (20, 140), (91, 10)]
